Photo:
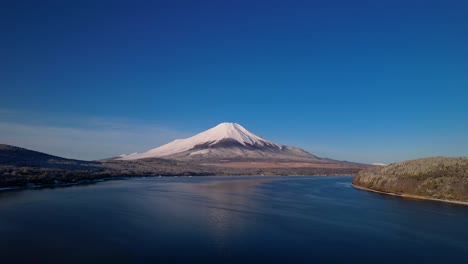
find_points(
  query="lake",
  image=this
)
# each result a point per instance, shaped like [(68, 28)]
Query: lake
[(227, 220)]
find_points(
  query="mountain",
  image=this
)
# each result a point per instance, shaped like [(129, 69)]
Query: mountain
[(227, 142), (21, 157), (433, 178)]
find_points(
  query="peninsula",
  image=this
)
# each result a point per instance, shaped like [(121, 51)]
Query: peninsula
[(435, 178)]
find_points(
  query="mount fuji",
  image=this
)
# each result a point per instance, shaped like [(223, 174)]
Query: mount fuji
[(226, 149), (226, 142)]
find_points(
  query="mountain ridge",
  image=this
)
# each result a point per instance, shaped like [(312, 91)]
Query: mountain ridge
[(17, 156)]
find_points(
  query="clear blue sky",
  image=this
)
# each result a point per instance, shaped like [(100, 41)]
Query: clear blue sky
[(367, 81)]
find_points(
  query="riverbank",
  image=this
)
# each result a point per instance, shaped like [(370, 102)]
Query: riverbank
[(411, 196)]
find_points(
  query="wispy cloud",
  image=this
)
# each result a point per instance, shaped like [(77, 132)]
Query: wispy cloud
[(83, 137)]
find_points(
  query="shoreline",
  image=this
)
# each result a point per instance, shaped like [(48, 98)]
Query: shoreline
[(84, 182), (411, 196)]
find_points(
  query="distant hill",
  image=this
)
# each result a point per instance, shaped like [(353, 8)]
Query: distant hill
[(434, 178), (21, 157)]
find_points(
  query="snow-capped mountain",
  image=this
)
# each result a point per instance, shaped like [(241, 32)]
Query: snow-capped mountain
[(226, 141)]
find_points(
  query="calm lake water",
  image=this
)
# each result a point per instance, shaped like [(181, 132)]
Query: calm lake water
[(227, 220)]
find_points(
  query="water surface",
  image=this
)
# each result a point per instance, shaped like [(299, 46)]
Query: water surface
[(227, 220)]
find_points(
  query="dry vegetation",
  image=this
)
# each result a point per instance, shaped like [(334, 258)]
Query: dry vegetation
[(435, 177)]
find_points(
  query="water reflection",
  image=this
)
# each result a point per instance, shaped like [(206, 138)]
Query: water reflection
[(226, 206)]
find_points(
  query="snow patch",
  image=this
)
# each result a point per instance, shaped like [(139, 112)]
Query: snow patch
[(125, 155), (203, 151)]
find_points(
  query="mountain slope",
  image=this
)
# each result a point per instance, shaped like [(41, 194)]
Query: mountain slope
[(225, 142)]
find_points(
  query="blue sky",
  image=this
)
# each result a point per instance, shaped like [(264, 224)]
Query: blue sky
[(366, 81)]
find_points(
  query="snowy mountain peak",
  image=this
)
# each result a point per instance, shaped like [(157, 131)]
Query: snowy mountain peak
[(232, 132), (235, 132)]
